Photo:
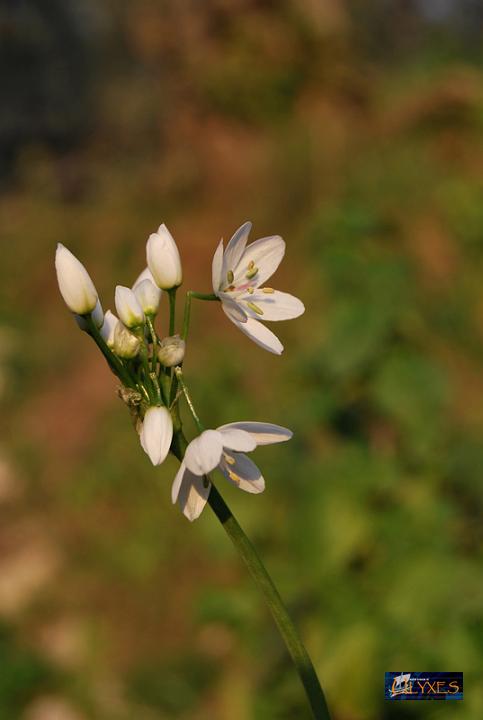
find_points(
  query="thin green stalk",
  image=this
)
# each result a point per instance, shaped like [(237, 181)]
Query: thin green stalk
[(154, 341), (187, 308), (172, 310), (261, 577), (112, 360)]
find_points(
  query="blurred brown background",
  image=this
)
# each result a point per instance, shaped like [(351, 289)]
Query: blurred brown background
[(354, 130)]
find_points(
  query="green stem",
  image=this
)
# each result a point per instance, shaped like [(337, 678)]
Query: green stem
[(187, 308), (112, 360), (261, 577), (172, 309), (264, 582), (154, 341)]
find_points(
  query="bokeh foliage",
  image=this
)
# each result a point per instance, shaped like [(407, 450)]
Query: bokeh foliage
[(366, 155)]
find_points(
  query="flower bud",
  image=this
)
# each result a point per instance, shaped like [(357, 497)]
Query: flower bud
[(97, 316), (75, 285), (148, 296), (108, 328), (125, 343), (171, 351), (156, 434), (145, 275), (128, 308), (163, 259)]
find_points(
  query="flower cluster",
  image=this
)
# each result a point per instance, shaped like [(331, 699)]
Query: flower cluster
[(149, 366)]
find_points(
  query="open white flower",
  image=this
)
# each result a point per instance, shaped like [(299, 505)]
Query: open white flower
[(238, 273), (224, 449), (156, 434)]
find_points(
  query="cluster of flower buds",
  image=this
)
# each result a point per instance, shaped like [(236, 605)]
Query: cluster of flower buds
[(149, 366), (129, 340)]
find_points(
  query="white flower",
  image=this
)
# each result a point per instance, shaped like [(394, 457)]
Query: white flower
[(171, 351), (148, 296), (128, 308), (108, 328), (97, 316), (225, 449), (124, 343), (238, 273), (76, 287), (156, 434), (163, 259)]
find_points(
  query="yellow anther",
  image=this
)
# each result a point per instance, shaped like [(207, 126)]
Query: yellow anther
[(268, 291), (251, 264), (251, 273), (227, 289), (233, 476), (229, 459), (230, 276), (250, 290), (255, 308)]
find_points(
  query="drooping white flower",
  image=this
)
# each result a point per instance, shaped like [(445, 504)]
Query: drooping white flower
[(75, 284), (148, 296), (128, 308), (238, 273), (125, 344), (156, 434), (171, 351), (108, 328), (163, 259), (224, 449), (97, 316)]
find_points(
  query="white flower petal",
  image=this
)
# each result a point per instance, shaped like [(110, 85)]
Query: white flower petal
[(261, 335), (156, 434), (145, 275), (75, 284), (275, 305), (266, 255), (204, 452), (108, 328), (128, 308), (232, 309), (234, 249), (217, 267), (163, 259), (148, 296), (191, 491), (262, 433), (242, 472), (237, 439)]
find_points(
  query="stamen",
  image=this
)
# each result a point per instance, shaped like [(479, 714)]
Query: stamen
[(233, 476), (252, 271), (255, 308), (229, 459), (230, 276), (250, 290), (229, 288), (268, 291)]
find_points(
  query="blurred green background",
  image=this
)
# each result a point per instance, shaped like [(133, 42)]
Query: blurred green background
[(355, 130)]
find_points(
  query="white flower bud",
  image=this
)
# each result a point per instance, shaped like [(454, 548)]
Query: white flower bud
[(148, 296), (97, 316), (171, 351), (125, 343), (108, 328), (156, 434), (145, 275), (128, 308), (163, 259), (75, 285)]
